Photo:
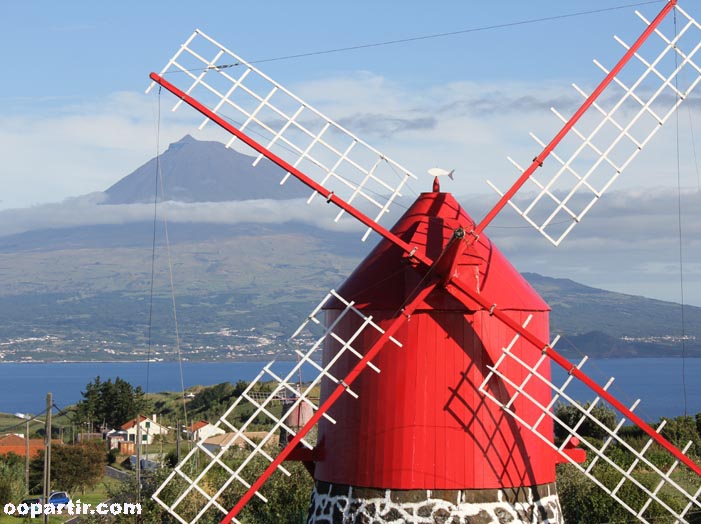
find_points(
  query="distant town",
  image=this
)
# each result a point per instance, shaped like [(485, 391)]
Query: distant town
[(225, 344)]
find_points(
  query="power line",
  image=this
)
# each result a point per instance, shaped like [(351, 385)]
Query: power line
[(680, 236), (451, 33), (430, 36), (24, 421)]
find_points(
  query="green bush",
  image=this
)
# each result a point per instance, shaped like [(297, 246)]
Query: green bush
[(112, 456), (570, 416), (11, 478)]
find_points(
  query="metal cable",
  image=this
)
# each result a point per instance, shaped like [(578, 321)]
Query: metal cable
[(680, 234)]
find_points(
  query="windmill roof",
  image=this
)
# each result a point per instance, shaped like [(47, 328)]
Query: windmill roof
[(386, 277)]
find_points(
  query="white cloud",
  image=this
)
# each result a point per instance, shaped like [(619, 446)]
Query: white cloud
[(88, 210), (627, 242), (80, 148), (469, 126), (474, 126)]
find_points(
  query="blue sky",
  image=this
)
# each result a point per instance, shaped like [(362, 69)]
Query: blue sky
[(86, 49), (74, 118), (74, 59)]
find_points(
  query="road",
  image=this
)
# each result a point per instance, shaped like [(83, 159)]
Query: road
[(117, 473)]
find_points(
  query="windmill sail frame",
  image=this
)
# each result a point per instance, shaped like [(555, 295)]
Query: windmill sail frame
[(348, 205), (285, 125), (572, 182), (285, 387)]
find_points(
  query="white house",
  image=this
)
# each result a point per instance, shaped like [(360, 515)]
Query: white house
[(149, 429), (202, 429), (116, 436), (219, 442), (227, 440)]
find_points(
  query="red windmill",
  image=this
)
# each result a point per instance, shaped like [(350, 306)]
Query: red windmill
[(454, 420)]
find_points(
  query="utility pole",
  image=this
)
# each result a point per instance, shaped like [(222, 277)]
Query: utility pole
[(26, 458), (177, 440), (138, 459), (47, 455)]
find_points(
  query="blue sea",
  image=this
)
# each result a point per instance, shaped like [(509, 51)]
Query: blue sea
[(666, 386)]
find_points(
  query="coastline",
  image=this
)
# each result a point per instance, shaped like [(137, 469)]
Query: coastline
[(661, 383), (288, 358)]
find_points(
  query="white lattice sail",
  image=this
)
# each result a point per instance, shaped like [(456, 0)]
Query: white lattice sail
[(624, 117), (206, 483), (285, 125), (616, 466), (616, 122)]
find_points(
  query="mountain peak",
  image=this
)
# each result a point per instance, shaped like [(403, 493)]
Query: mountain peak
[(204, 171), (186, 140)]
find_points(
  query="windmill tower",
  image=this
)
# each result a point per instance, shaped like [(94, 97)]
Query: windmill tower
[(422, 441), (437, 403)]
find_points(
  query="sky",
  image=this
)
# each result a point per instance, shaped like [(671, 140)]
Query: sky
[(74, 118)]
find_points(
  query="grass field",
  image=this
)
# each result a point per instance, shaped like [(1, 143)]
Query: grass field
[(12, 424)]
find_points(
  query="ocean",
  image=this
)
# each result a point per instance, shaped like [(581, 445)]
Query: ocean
[(658, 382)]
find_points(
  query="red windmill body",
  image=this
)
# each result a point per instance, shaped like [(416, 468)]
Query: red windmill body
[(423, 424), (453, 420)]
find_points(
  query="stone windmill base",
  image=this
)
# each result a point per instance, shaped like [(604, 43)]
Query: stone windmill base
[(338, 504)]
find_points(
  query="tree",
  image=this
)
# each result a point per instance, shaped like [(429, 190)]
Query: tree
[(212, 401), (570, 416), (110, 403), (11, 478), (288, 497), (89, 407), (241, 386), (681, 430), (72, 467), (151, 512), (285, 505)]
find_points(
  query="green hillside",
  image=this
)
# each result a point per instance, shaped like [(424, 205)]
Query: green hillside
[(239, 290), (241, 294)]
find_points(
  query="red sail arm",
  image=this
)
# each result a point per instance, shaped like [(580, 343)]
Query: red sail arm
[(327, 194), (419, 295), (457, 286), (538, 160), (460, 289), (461, 292)]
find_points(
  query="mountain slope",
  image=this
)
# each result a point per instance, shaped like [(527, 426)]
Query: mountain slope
[(204, 171), (597, 322), (578, 309), (240, 292), (239, 288)]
